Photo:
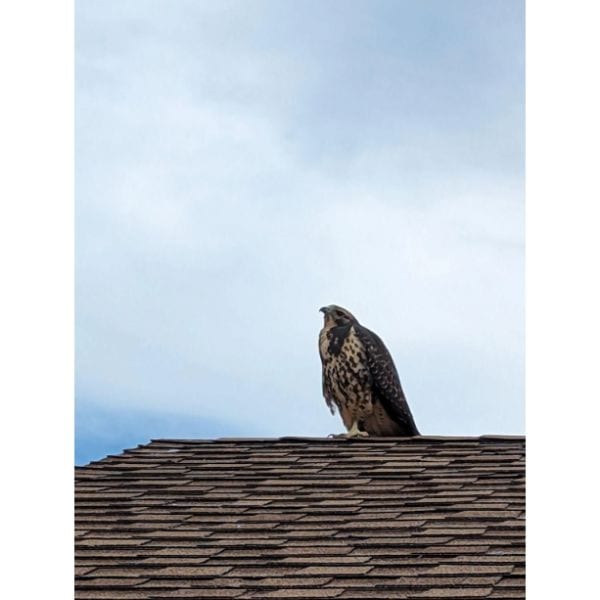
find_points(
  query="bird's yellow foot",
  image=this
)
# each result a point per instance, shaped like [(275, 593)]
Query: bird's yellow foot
[(356, 432), (353, 432)]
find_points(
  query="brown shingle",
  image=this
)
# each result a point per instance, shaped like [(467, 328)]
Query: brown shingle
[(362, 594), (284, 582), (460, 569), (299, 593), (193, 593), (336, 570), (109, 594), (200, 571), (104, 583), (428, 517), (457, 593), (262, 571), (324, 560)]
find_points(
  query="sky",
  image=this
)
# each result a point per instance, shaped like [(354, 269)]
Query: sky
[(241, 164)]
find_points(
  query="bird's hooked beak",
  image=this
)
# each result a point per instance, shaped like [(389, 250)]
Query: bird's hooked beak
[(324, 309)]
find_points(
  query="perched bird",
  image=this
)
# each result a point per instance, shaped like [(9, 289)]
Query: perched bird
[(360, 379)]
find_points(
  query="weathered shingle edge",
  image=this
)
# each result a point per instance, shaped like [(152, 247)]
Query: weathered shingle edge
[(489, 438)]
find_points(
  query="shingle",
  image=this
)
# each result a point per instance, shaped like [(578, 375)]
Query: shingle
[(283, 582), (184, 552), (262, 572), (167, 561), (512, 559), (336, 570), (175, 583), (410, 545), (386, 524), (455, 531), (110, 594), (299, 593), (111, 542), (487, 513), (122, 572), (507, 594), (512, 582), (399, 578), (337, 548), (429, 517), (314, 558), (458, 593), (199, 571), (192, 593), (460, 569), (381, 594), (104, 583)]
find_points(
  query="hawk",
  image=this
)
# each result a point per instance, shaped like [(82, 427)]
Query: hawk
[(360, 379)]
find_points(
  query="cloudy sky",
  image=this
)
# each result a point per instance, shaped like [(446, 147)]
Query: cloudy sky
[(241, 163)]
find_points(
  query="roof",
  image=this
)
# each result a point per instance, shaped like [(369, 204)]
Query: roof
[(425, 517)]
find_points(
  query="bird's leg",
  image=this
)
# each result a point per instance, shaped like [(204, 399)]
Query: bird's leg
[(354, 431)]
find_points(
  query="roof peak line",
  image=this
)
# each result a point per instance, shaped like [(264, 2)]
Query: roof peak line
[(362, 440)]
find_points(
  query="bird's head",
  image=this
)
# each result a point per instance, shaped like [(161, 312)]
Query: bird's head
[(336, 315)]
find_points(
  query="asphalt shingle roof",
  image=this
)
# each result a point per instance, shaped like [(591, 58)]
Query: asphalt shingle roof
[(427, 517)]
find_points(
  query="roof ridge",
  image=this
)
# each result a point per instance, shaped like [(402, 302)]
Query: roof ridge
[(370, 439)]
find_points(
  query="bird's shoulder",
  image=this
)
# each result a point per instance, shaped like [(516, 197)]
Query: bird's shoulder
[(372, 342)]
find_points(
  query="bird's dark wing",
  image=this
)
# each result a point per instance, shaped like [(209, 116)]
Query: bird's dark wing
[(386, 383)]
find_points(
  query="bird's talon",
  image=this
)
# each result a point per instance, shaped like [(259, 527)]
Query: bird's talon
[(356, 434)]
